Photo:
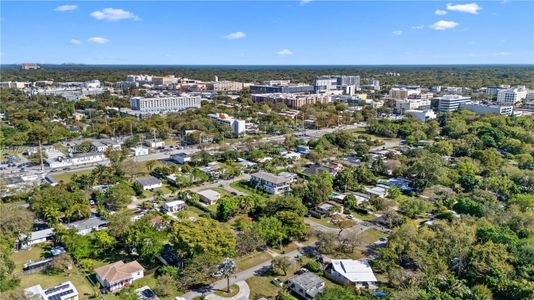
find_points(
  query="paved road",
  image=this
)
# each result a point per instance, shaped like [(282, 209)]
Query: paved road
[(243, 294), (311, 133), (225, 184), (241, 276)]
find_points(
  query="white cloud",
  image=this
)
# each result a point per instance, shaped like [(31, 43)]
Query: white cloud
[(114, 14), (304, 2), (64, 8), (417, 27), (470, 8), (75, 42), (443, 25), (440, 12), (285, 52), (235, 35), (98, 40), (397, 32)]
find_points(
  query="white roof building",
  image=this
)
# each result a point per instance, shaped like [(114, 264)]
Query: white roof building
[(354, 272)]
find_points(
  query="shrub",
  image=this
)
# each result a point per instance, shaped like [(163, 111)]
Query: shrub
[(313, 266)]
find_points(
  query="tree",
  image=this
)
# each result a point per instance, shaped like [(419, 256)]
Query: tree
[(318, 189), (341, 223), (60, 264), (198, 269), (193, 238), (120, 195), (271, 229), (165, 285), (281, 263), (227, 208), (345, 180), (414, 207)]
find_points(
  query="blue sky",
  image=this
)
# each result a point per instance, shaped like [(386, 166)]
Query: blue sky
[(267, 32)]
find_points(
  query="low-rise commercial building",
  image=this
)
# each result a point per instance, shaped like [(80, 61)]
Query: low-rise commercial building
[(76, 160), (422, 115), (483, 109)]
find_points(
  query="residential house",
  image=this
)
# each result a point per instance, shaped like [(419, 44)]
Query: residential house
[(315, 169), (64, 291), (357, 273), (306, 285), (270, 183), (139, 151), (149, 183), (209, 196), (181, 158), (118, 274), (174, 206), (154, 143), (329, 208), (86, 226), (401, 183), (379, 190), (292, 177), (35, 237), (292, 155)]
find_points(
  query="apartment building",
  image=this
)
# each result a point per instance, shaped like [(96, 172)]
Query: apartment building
[(224, 86), (270, 183), (165, 104), (238, 126)]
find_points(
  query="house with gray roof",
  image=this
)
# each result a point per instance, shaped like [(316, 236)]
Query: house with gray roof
[(149, 183), (84, 227), (270, 183), (306, 285)]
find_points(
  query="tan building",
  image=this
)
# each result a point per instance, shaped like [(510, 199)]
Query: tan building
[(118, 274), (224, 86), (164, 80)]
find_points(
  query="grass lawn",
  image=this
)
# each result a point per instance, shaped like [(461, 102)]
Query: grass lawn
[(234, 289), (251, 260), (371, 235), (368, 217), (65, 177), (47, 281), (221, 191), (242, 187), (261, 286), (287, 248), (323, 221)]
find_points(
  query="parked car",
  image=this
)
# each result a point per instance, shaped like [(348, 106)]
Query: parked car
[(301, 271), (276, 281)]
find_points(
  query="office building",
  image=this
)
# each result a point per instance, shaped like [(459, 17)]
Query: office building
[(13, 84), (165, 104), (494, 90), (372, 84), (292, 100), (403, 105), (238, 126), (512, 95), (294, 88), (335, 82), (164, 80), (404, 92), (483, 109), (449, 103)]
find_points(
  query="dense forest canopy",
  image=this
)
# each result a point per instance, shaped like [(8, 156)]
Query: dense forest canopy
[(456, 75)]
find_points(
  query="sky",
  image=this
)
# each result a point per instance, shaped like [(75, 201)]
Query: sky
[(300, 32)]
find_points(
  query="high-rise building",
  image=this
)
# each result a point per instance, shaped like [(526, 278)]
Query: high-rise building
[(165, 104), (335, 82), (293, 88), (449, 103), (512, 95), (404, 92)]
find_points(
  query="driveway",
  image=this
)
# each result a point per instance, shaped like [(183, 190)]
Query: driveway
[(243, 294), (225, 184)]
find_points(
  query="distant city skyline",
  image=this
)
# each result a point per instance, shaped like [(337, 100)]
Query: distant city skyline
[(267, 33)]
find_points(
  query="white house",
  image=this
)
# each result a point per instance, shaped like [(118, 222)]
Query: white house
[(270, 183), (181, 158), (86, 226), (118, 274), (149, 183), (64, 291), (306, 285), (174, 206), (154, 143), (139, 151), (357, 273), (36, 237), (209, 196), (380, 190)]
